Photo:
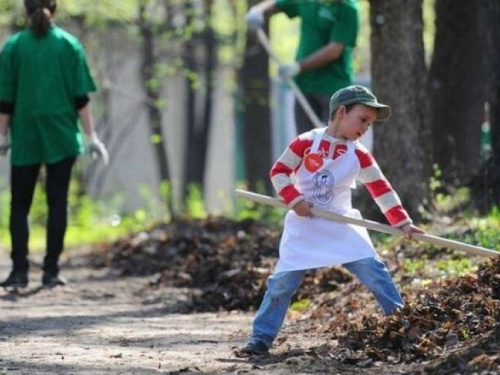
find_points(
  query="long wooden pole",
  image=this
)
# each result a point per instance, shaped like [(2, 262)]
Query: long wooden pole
[(373, 225), (298, 94)]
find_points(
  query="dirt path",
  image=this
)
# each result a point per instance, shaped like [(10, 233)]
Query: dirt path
[(104, 324)]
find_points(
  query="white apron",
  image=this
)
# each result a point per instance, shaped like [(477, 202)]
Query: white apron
[(309, 243)]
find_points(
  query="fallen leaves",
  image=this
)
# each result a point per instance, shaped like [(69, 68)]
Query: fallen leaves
[(228, 262)]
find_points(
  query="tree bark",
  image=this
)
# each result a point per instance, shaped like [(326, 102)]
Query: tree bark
[(153, 92), (399, 79), (486, 183), (458, 78), (254, 78), (199, 117)]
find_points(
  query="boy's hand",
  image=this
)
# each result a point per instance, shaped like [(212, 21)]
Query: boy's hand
[(303, 209), (409, 229)]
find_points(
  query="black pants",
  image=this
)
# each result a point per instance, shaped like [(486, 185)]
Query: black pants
[(319, 104), (23, 181)]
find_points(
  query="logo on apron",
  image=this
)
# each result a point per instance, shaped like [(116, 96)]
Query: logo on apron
[(323, 187)]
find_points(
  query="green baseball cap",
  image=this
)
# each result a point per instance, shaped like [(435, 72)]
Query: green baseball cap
[(359, 94)]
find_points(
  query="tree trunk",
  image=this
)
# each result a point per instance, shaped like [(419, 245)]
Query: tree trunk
[(458, 83), (256, 114), (199, 117), (153, 92), (399, 79), (486, 183), (210, 65)]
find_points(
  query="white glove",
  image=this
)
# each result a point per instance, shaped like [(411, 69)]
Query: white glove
[(288, 71), (255, 18), (97, 149), (4, 145)]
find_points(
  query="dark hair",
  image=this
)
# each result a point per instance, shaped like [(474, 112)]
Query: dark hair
[(348, 107), (40, 13)]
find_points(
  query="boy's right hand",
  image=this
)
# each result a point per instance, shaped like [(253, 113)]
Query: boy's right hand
[(303, 209)]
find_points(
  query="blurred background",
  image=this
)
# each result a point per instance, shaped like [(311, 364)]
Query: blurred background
[(190, 107)]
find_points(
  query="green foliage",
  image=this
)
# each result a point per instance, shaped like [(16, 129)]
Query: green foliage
[(247, 209), (195, 205), (456, 267), (89, 221), (301, 305), (485, 231)]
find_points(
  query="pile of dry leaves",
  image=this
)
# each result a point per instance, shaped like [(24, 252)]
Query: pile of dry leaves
[(228, 262)]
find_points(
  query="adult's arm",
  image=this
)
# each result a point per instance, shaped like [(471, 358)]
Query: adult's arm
[(87, 121), (267, 7), (4, 124), (322, 57)]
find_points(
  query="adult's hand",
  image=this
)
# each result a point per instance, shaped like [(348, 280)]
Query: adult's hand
[(288, 71), (255, 18), (97, 149)]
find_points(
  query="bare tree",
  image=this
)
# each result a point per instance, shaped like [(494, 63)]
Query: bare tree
[(399, 76), (149, 62), (200, 64)]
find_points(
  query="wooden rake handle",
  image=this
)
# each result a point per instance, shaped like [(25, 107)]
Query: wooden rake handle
[(298, 94), (373, 225)]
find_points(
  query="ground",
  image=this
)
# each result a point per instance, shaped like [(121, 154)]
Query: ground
[(180, 300), (102, 323)]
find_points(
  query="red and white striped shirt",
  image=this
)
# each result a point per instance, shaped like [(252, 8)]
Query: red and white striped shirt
[(370, 175)]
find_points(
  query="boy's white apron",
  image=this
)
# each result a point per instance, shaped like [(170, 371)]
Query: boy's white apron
[(315, 242)]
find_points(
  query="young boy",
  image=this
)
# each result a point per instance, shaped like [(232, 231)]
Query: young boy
[(326, 163)]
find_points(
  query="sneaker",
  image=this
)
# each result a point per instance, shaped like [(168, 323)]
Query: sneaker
[(254, 348), (50, 279), (16, 279)]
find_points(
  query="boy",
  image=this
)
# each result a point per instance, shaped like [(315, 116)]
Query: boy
[(326, 163)]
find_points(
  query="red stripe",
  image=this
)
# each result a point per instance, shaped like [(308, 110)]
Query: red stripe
[(378, 188), (339, 150), (396, 215), (289, 193), (365, 159), (280, 168), (299, 146)]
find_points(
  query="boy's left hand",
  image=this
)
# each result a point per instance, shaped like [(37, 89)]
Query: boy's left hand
[(409, 229)]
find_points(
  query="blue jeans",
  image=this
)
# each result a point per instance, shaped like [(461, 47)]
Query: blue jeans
[(281, 287)]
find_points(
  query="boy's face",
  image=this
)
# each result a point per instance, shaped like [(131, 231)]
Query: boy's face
[(353, 124)]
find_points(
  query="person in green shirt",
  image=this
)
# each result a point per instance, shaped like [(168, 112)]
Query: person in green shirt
[(328, 33), (44, 87)]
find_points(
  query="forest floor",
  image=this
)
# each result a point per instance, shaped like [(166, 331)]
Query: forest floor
[(180, 298)]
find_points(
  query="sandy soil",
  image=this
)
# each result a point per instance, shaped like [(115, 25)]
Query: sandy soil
[(101, 323)]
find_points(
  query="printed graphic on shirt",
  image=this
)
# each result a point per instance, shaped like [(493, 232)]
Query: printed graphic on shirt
[(323, 187), (313, 162)]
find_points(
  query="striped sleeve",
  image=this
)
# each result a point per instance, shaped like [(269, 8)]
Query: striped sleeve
[(282, 171), (380, 189)]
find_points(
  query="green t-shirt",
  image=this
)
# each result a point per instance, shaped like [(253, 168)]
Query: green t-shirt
[(323, 22), (42, 77)]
